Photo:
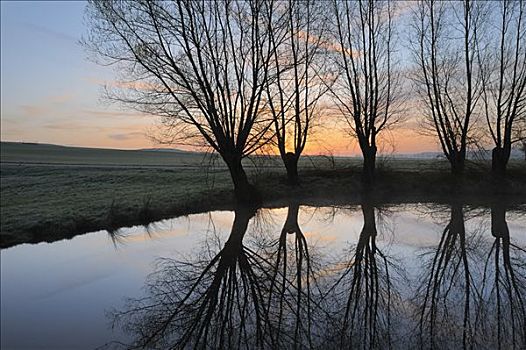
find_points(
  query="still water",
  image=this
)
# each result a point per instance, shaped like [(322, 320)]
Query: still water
[(364, 276)]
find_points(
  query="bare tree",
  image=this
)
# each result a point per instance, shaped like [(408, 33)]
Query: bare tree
[(365, 93), (502, 59), (296, 88), (200, 65), (445, 50)]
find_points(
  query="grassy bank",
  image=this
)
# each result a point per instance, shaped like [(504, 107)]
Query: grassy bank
[(58, 198)]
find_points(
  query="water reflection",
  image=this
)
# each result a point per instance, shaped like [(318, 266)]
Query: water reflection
[(501, 318), (290, 296), (471, 292), (215, 299), (448, 291), (368, 286), (279, 290)]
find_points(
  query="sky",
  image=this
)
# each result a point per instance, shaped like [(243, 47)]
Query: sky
[(51, 92)]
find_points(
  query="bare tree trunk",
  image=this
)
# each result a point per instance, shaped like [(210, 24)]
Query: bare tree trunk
[(369, 164), (369, 221), (291, 164), (458, 163), (499, 161), (291, 223), (244, 192), (499, 227)]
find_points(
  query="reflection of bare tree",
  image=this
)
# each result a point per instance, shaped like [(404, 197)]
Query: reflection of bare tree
[(367, 286), (268, 289), (290, 297), (239, 297), (501, 320), (215, 301), (447, 274)]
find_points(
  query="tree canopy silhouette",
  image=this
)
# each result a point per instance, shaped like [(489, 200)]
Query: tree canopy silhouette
[(202, 66), (445, 43), (367, 92)]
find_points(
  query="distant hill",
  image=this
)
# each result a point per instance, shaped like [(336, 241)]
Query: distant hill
[(171, 150), (481, 155), (40, 153)]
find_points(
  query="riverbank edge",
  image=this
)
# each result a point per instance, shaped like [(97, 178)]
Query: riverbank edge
[(317, 188)]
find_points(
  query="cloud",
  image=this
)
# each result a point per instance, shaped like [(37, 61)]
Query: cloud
[(72, 126), (137, 85), (33, 110), (126, 136), (51, 33), (110, 114), (62, 98)]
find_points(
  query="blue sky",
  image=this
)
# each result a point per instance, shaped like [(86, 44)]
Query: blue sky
[(50, 92)]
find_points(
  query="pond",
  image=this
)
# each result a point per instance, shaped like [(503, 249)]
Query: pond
[(383, 276)]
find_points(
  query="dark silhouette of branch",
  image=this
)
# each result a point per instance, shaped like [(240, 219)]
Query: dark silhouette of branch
[(445, 47), (366, 93), (202, 66), (502, 61)]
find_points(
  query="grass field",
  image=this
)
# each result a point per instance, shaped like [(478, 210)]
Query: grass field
[(52, 192)]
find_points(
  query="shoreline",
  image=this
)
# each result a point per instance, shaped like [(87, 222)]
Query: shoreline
[(318, 188)]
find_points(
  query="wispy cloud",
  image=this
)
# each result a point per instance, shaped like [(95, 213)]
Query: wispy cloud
[(72, 126), (127, 136), (62, 98), (110, 114), (51, 32), (33, 110)]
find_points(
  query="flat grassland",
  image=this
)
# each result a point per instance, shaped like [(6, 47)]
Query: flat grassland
[(53, 192)]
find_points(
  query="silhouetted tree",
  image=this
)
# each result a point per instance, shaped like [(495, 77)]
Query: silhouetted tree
[(445, 42), (200, 65), (367, 91), (295, 90), (502, 60)]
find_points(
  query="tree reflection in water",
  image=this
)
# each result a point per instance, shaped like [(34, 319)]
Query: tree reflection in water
[(471, 293), (502, 311), (368, 287), (278, 290), (447, 291), (256, 296), (290, 298), (215, 300)]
